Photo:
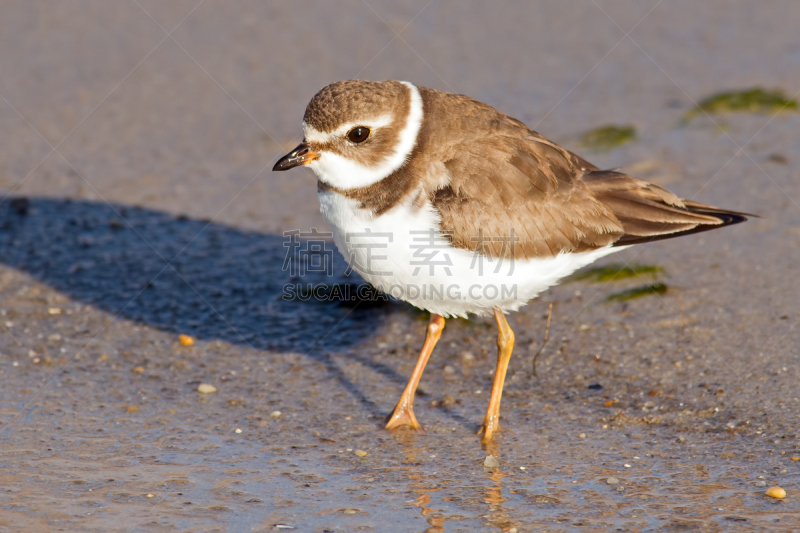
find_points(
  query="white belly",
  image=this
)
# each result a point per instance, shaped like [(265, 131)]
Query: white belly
[(402, 259)]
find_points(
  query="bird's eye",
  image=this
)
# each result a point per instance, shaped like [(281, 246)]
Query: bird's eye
[(358, 134)]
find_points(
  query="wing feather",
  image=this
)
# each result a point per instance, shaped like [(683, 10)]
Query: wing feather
[(504, 179), (504, 186)]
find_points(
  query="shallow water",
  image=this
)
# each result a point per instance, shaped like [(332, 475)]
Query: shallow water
[(157, 215)]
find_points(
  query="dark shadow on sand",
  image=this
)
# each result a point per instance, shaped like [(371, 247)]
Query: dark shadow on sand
[(187, 276), (178, 274)]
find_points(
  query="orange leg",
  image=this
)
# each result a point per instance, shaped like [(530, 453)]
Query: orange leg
[(505, 344), (403, 414)]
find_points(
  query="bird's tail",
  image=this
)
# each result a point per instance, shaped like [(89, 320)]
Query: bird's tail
[(650, 213)]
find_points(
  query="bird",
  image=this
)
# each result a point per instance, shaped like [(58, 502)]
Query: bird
[(442, 201)]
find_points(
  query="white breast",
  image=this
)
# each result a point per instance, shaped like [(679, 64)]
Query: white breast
[(396, 253)]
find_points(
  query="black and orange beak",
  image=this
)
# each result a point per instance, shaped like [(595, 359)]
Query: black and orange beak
[(301, 155)]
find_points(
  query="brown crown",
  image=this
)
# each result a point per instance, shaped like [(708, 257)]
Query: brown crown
[(353, 100)]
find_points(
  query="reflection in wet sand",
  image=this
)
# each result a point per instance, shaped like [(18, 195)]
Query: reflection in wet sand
[(417, 481), (424, 484), (494, 498)]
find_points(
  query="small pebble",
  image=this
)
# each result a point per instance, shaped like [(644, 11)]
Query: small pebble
[(54, 311), (238, 430), (206, 388), (360, 453), (582, 436), (350, 511), (491, 462), (626, 465), (275, 414), (186, 340), (132, 409), (138, 370), (612, 481), (150, 496), (449, 370), (761, 483), (467, 356), (776, 492)]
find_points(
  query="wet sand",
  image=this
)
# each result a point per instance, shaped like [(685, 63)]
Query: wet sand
[(149, 211)]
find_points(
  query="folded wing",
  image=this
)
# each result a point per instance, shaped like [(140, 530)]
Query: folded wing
[(649, 213), (547, 201)]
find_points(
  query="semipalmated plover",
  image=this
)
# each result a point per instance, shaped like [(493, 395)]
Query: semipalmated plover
[(444, 202)]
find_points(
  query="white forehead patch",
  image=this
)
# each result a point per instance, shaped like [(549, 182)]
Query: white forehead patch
[(315, 136), (344, 173)]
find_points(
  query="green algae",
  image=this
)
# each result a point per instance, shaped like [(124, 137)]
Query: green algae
[(608, 137), (756, 100), (638, 292), (616, 272)]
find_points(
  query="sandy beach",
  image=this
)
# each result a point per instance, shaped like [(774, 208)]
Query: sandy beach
[(138, 205)]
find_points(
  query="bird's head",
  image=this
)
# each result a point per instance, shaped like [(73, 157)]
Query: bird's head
[(357, 133)]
